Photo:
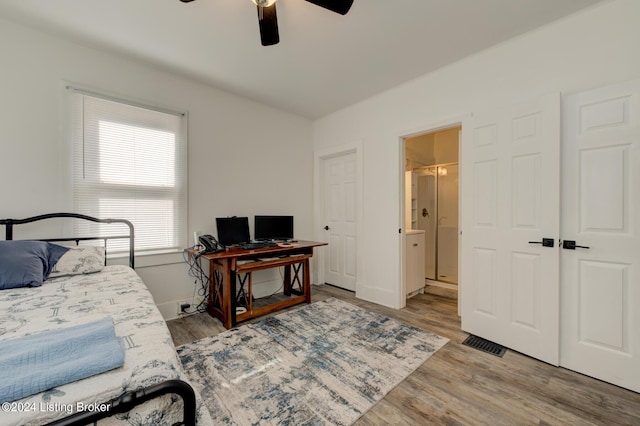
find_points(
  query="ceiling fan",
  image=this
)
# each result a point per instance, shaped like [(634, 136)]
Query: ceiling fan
[(268, 21)]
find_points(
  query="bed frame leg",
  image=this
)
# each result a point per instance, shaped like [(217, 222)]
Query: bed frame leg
[(129, 400)]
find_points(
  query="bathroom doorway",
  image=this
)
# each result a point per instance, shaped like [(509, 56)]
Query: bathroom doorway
[(432, 204)]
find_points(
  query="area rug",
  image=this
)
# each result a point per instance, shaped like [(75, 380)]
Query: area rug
[(323, 364)]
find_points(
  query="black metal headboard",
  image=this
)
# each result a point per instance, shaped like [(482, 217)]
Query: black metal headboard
[(10, 222)]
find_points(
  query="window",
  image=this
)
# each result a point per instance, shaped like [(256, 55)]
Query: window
[(129, 162)]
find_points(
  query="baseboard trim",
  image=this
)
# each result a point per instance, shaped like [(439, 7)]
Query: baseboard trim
[(441, 284)]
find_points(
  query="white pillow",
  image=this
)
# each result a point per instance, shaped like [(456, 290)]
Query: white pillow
[(79, 260)]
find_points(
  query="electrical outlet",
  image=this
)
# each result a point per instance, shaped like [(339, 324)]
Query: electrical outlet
[(186, 306)]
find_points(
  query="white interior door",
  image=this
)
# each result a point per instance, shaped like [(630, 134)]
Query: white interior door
[(600, 326), (509, 176), (339, 181)]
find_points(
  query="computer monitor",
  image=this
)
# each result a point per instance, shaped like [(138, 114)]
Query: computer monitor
[(233, 230), (273, 227)]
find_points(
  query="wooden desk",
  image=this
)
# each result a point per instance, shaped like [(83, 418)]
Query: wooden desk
[(227, 267)]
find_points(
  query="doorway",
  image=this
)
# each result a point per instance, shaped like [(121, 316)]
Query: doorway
[(431, 173)]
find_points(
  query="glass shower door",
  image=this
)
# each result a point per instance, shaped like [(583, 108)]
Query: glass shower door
[(447, 223), (427, 217)]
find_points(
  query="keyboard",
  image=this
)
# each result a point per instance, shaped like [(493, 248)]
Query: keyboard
[(260, 244)]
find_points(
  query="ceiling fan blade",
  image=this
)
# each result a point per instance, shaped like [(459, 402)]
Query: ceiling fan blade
[(338, 6), (268, 22), (186, 1)]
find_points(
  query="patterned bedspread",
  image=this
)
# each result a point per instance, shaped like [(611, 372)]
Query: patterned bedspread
[(150, 356)]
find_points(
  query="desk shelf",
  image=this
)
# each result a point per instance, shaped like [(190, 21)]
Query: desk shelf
[(266, 307)]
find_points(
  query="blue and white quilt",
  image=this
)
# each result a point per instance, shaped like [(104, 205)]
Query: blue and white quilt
[(150, 356)]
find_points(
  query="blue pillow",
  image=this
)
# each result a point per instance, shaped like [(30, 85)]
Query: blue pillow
[(27, 263)]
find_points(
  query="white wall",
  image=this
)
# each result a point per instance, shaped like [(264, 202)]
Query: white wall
[(595, 47), (244, 158)]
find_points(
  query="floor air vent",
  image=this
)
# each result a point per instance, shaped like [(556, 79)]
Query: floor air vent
[(485, 345)]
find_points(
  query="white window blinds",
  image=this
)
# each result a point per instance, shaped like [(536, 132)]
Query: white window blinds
[(130, 163)]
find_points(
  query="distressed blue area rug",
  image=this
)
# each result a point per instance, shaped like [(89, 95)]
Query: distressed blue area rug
[(324, 364)]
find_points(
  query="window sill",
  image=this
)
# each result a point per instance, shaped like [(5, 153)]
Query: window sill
[(149, 259)]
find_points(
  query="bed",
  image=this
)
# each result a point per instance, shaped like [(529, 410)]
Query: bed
[(150, 388)]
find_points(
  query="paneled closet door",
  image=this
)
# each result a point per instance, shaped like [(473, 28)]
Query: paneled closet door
[(600, 322), (510, 186), (339, 174)]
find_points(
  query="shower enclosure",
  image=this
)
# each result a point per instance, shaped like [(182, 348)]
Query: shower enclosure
[(437, 215)]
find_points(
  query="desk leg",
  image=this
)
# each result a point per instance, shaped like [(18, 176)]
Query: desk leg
[(287, 280), (227, 290), (233, 296), (220, 291), (307, 282)]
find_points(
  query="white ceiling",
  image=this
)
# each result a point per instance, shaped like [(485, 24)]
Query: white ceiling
[(324, 61)]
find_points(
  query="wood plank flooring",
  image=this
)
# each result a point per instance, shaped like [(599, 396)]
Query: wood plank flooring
[(460, 385)]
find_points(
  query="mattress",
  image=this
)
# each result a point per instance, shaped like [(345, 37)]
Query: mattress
[(150, 356)]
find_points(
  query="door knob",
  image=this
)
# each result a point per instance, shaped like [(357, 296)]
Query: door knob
[(326, 228), (546, 242), (571, 245)]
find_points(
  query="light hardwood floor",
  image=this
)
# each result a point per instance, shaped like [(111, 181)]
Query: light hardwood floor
[(460, 385)]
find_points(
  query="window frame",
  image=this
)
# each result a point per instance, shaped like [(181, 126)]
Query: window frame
[(76, 136)]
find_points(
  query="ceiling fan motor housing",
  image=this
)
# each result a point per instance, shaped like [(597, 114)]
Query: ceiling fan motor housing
[(268, 20)]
